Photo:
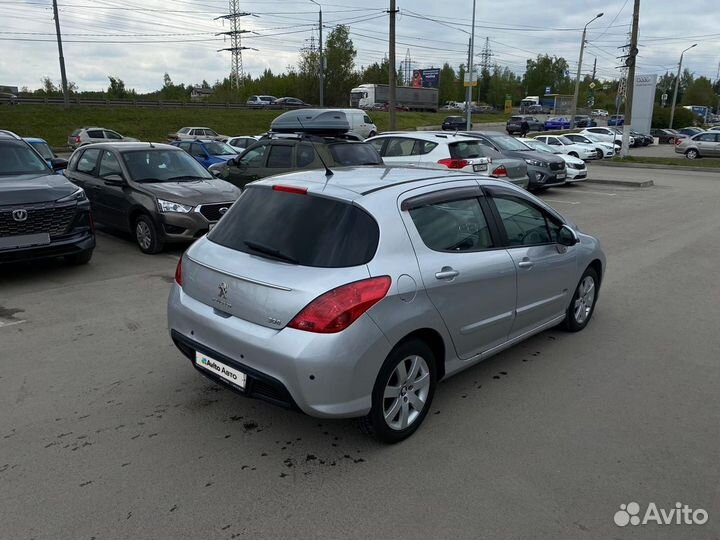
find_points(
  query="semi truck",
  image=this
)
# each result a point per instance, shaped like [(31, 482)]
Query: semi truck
[(367, 96)]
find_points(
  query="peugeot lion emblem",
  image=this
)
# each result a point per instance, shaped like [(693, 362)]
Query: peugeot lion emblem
[(222, 291), (20, 215)]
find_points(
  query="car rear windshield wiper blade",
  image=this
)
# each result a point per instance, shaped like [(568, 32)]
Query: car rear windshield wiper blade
[(268, 250)]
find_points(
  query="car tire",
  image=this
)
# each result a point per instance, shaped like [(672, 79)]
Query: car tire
[(78, 259), (692, 154), (418, 364), (147, 236), (584, 300), (600, 153)]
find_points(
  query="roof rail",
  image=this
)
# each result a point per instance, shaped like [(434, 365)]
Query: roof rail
[(11, 134)]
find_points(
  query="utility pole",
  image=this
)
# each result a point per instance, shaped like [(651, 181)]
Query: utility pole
[(594, 68), (677, 85), (63, 76), (471, 75), (627, 123), (322, 59), (573, 110), (392, 83)]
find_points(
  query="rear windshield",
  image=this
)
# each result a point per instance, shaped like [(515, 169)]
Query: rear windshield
[(301, 229), (351, 154)]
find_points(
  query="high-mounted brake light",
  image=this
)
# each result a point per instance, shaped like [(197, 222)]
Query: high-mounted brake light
[(337, 309), (178, 273), (290, 189), (500, 171), (454, 163)]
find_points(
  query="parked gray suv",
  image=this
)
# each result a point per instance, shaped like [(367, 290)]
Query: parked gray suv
[(353, 294), (544, 170)]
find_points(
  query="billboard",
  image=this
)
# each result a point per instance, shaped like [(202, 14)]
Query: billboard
[(425, 78), (643, 102)]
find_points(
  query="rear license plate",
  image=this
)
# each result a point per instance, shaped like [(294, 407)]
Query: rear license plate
[(480, 167), (238, 378), (24, 240)]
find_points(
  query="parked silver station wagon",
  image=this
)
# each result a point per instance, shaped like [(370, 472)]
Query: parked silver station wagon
[(353, 294)]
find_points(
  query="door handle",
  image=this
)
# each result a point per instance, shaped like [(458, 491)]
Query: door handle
[(526, 263), (447, 272)]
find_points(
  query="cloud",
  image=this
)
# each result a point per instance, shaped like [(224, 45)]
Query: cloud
[(429, 33)]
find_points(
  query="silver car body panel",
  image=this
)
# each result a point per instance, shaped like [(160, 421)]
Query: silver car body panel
[(332, 375)]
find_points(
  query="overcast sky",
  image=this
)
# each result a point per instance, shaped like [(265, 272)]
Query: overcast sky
[(179, 36)]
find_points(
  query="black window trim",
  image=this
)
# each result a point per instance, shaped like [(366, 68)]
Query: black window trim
[(492, 192)]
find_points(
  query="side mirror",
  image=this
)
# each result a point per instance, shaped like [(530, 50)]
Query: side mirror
[(58, 164), (114, 180), (567, 236)]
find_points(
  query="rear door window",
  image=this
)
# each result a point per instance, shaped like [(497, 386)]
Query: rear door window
[(400, 147), (453, 226), (95, 134), (280, 156), (305, 155), (314, 231), (351, 154)]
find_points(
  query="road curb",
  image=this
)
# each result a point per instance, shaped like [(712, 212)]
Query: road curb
[(656, 166), (624, 183)]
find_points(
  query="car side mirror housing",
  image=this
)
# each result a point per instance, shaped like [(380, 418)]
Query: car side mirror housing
[(58, 164), (567, 236), (114, 180)]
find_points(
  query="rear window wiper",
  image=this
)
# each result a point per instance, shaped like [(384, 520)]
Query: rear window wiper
[(268, 250)]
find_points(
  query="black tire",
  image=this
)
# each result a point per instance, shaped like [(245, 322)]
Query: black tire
[(571, 322), (374, 423), (372, 134), (153, 242), (78, 259), (692, 154), (600, 153)]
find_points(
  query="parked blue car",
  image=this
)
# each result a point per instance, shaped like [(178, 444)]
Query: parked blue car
[(43, 148), (207, 152), (557, 122), (616, 120)]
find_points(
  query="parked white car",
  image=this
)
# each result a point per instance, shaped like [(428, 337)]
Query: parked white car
[(604, 148), (607, 134), (241, 142), (575, 167), (192, 133), (600, 112), (566, 146)]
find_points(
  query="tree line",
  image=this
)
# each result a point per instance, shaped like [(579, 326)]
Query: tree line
[(495, 84)]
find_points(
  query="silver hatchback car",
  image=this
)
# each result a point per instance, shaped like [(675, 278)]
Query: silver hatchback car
[(353, 294)]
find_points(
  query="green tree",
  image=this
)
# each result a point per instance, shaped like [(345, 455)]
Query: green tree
[(447, 84), (116, 90), (700, 92), (547, 71), (340, 74)]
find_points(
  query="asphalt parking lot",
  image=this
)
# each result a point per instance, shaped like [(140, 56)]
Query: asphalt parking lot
[(107, 431)]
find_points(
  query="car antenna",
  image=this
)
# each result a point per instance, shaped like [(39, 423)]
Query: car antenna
[(328, 172)]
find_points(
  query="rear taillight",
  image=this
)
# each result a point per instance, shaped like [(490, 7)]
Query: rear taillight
[(77, 139), (178, 273), (337, 309), (454, 163), (500, 171), (678, 140)]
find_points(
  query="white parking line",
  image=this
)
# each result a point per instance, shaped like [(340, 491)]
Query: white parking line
[(6, 324)]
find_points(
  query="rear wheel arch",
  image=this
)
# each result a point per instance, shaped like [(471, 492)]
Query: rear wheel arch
[(434, 340)]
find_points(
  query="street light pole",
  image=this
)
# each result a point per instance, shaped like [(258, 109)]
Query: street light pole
[(322, 62), (677, 84), (579, 69), (468, 92), (63, 76)]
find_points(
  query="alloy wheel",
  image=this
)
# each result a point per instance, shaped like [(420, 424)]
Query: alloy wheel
[(406, 392), (585, 300), (143, 235)]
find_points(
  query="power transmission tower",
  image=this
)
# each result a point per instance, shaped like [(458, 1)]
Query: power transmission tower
[(237, 76), (407, 68), (486, 56)]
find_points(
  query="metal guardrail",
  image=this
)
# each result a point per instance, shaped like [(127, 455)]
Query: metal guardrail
[(79, 102)]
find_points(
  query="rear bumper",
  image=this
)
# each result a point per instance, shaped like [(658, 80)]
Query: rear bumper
[(323, 375), (59, 248)]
